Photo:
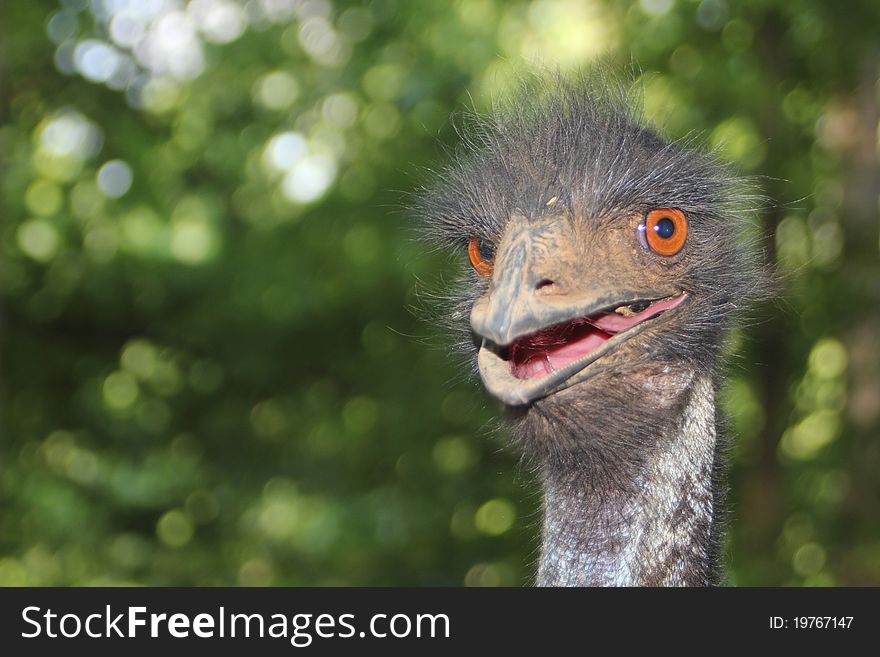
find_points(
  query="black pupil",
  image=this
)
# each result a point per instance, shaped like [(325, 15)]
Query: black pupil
[(485, 251), (665, 228)]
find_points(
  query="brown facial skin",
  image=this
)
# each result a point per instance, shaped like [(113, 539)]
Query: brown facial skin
[(556, 269)]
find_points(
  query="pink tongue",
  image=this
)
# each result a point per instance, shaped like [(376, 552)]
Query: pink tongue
[(614, 323), (535, 361), (547, 353), (569, 353)]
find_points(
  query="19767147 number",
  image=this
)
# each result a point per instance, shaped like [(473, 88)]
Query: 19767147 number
[(812, 622)]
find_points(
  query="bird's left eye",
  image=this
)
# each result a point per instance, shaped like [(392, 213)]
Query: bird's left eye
[(664, 231), (480, 258)]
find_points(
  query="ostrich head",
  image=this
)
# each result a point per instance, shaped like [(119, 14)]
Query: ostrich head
[(606, 265)]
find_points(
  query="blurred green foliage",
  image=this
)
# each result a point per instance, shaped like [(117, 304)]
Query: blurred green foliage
[(214, 366)]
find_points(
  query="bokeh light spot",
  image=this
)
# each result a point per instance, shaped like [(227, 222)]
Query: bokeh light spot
[(96, 60), (495, 517), (129, 550), (808, 559), (461, 524), (383, 82), (278, 518), (175, 529), (340, 109), (321, 42), (127, 28), (804, 440), (686, 61), (70, 134), (453, 455), (13, 572), (482, 574), (202, 506), (309, 179), (100, 243), (81, 465), (284, 151), (86, 200), (160, 95), (566, 32), (220, 21), (738, 140), (712, 14), (792, 241), (276, 90), (737, 35), (656, 7), (255, 572), (746, 410), (268, 418), (139, 357), (356, 23), (382, 120), (120, 390), (38, 239), (114, 178), (62, 26), (828, 358), (193, 241), (828, 243), (43, 198)]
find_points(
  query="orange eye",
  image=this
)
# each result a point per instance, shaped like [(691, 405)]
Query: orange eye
[(481, 263), (665, 230)]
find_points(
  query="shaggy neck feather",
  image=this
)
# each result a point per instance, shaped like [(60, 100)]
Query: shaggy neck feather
[(656, 529)]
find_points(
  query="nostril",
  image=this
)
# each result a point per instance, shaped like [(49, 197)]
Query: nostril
[(543, 284)]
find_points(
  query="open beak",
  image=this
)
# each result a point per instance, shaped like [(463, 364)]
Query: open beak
[(539, 335)]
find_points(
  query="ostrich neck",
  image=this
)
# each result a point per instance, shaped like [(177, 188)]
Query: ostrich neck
[(656, 528)]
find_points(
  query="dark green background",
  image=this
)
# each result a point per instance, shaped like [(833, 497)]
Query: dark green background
[(220, 377)]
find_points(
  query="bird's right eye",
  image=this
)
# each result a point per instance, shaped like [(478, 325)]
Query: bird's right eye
[(480, 259)]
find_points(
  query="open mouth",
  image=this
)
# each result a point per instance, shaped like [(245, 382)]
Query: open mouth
[(552, 349), (553, 358)]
